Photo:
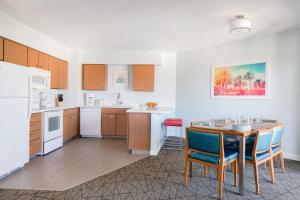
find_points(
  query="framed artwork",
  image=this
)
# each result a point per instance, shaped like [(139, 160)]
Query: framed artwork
[(241, 81), (121, 78)]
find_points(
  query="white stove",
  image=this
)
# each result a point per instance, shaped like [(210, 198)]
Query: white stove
[(52, 131)]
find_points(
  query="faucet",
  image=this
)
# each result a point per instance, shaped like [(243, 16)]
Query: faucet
[(118, 101)]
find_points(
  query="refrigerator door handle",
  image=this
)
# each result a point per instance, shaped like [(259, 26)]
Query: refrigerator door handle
[(30, 97)]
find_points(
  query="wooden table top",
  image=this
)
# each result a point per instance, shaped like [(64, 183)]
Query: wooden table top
[(227, 129)]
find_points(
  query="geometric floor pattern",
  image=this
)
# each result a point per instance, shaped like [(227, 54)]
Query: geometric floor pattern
[(161, 177)]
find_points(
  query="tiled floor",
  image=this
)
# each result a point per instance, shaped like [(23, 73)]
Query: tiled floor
[(161, 177), (77, 162)]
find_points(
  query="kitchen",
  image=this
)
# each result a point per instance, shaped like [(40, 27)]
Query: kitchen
[(61, 112)]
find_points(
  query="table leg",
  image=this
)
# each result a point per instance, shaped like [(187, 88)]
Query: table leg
[(241, 164)]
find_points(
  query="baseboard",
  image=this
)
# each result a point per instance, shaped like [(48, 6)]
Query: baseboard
[(291, 156)]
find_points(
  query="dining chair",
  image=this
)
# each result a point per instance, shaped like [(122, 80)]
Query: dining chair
[(206, 147), (277, 145), (259, 153)]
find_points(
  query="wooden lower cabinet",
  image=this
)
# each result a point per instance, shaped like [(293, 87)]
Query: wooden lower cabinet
[(71, 124), (114, 122), (122, 125), (35, 144), (35, 147), (108, 124), (139, 130)]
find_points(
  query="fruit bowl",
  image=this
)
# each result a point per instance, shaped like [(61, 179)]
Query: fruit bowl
[(151, 105)]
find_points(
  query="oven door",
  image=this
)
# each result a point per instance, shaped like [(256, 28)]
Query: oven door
[(53, 125)]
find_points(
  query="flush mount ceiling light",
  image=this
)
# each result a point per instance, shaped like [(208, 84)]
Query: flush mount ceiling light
[(240, 25)]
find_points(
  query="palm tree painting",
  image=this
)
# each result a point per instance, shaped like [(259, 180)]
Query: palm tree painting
[(246, 80)]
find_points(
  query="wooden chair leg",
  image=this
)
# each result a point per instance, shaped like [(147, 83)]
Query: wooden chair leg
[(271, 164), (235, 166), (205, 170), (186, 170), (220, 178), (281, 162), (224, 174), (255, 167), (265, 165)]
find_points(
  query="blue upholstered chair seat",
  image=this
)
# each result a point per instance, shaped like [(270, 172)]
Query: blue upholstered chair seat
[(229, 155), (276, 149), (259, 156)]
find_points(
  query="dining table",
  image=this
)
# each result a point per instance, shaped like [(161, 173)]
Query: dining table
[(227, 127)]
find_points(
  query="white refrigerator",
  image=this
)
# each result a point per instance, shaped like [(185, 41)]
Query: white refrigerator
[(15, 110)]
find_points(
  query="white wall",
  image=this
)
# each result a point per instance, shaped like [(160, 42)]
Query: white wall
[(121, 57), (19, 32), (193, 100), (164, 85)]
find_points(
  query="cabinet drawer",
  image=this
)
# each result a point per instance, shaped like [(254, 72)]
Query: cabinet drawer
[(70, 111), (35, 147), (34, 126), (114, 110), (34, 135), (35, 117)]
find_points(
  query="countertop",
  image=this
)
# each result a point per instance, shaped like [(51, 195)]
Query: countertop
[(75, 106), (156, 110), (52, 108)]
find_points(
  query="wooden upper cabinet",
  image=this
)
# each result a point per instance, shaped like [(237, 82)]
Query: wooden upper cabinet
[(1, 48), (33, 58), (53, 68), (43, 61), (15, 53), (143, 78), (59, 73), (63, 74), (94, 76)]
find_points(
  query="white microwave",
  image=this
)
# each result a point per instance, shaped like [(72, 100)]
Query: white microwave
[(40, 79)]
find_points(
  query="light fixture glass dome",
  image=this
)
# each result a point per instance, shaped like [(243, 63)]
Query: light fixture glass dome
[(240, 25)]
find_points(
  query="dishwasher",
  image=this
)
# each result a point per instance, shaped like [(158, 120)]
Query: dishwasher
[(90, 122)]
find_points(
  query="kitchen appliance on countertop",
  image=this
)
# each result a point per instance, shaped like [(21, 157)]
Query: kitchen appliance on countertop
[(15, 111), (40, 79), (44, 103), (89, 99), (52, 131)]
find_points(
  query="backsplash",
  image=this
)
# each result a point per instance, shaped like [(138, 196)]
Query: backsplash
[(51, 97)]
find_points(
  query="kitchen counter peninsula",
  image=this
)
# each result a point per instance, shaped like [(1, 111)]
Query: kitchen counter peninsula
[(145, 130)]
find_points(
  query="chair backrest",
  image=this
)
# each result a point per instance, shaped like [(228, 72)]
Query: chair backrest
[(264, 141), (207, 141), (277, 135)]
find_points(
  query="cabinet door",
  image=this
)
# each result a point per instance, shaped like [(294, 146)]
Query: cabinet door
[(122, 124), (67, 128), (34, 147), (33, 58), (53, 67), (94, 77), (1, 48), (139, 131), (43, 61), (63, 74), (15, 53), (74, 125), (143, 78), (108, 124)]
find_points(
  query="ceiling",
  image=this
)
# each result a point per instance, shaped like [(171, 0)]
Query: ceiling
[(168, 25)]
